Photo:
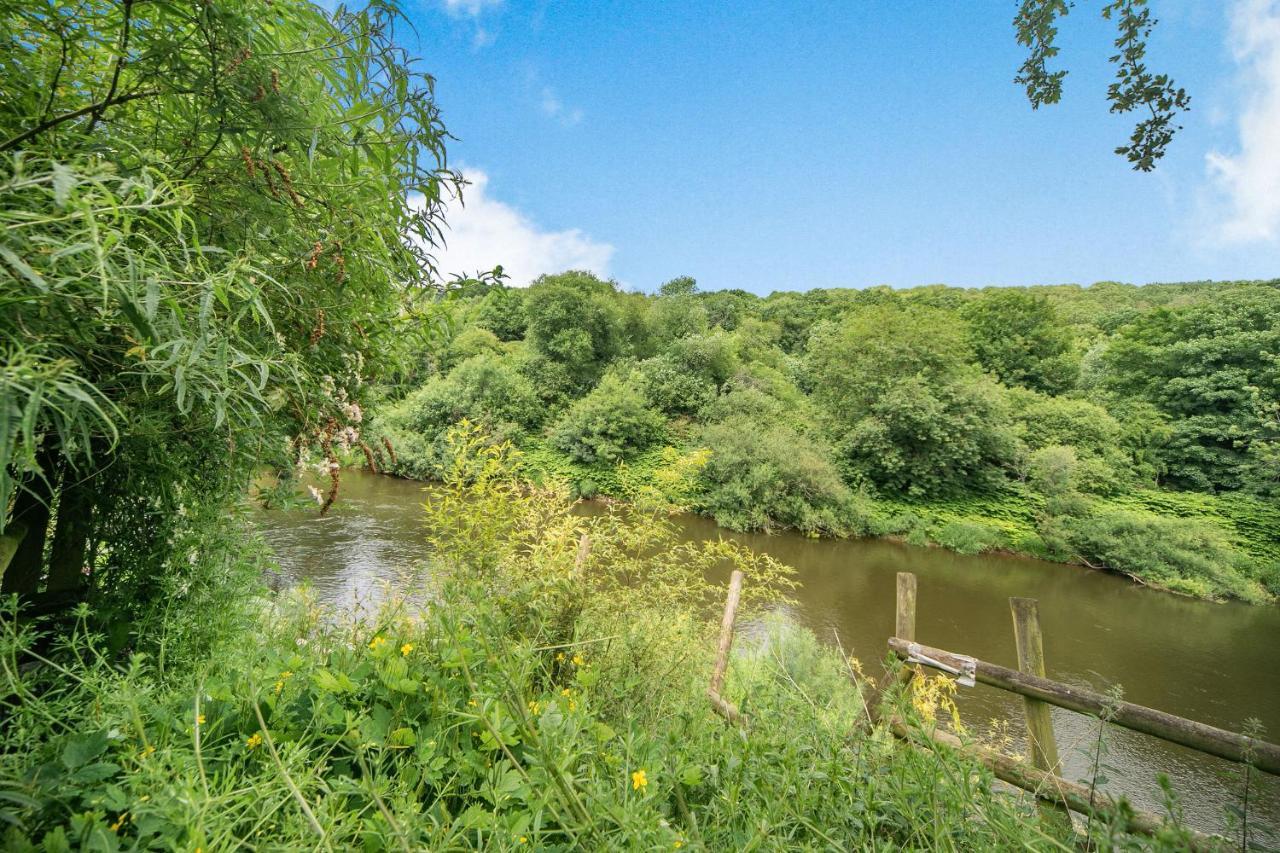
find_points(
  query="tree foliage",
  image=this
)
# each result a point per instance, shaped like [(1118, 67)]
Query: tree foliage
[(203, 258)]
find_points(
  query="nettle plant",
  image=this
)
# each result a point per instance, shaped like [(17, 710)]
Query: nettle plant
[(214, 226)]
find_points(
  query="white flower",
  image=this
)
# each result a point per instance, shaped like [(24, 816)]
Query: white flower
[(317, 494)]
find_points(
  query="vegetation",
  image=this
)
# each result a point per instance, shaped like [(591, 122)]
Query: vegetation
[(1111, 425), (203, 262), (529, 706)]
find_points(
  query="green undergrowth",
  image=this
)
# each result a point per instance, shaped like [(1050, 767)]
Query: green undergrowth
[(523, 702)]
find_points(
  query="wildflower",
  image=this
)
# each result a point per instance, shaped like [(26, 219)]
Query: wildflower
[(535, 706), (524, 840), (578, 660), (639, 780), (472, 702), (573, 705), (115, 827), (377, 643), (560, 657), (279, 686), (679, 843), (316, 494), (146, 750), (566, 692), (253, 741), (199, 719), (405, 649)]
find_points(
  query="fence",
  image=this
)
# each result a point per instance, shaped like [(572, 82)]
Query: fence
[(1039, 774)]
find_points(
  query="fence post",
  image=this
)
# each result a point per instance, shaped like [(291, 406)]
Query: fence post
[(1040, 740), (905, 624)]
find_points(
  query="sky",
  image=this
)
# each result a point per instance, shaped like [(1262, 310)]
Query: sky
[(785, 146)]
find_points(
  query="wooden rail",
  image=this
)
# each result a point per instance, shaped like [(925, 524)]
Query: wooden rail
[(1198, 736)]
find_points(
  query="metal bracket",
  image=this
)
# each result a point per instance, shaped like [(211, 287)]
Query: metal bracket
[(964, 671)]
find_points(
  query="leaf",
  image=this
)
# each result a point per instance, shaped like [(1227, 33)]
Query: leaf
[(22, 267), (64, 180), (84, 748)]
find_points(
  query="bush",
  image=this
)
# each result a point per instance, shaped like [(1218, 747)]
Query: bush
[(611, 423), (969, 537), (1179, 554), (763, 475)]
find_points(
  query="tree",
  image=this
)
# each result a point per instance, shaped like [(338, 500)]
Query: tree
[(1019, 337), (905, 408), (575, 320), (1212, 369), (204, 209), (1135, 87)]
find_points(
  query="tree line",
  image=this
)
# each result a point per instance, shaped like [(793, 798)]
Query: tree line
[(821, 408)]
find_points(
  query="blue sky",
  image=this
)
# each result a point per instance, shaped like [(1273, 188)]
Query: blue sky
[(778, 146)]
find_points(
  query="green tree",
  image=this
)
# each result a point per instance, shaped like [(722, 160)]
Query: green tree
[(576, 321), (1018, 336), (1212, 369), (204, 209), (906, 409)]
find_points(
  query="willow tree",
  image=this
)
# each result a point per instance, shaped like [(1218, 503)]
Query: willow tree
[(210, 221)]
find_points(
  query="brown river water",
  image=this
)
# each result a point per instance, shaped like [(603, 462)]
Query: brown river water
[(1215, 663)]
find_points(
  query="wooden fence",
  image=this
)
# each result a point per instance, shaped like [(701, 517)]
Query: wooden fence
[(1039, 774)]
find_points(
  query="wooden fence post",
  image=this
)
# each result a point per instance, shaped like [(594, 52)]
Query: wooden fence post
[(726, 709), (1040, 740), (905, 623)]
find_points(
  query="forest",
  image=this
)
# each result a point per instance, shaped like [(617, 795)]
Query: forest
[(1135, 429)]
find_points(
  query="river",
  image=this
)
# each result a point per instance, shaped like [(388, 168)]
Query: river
[(1216, 663)]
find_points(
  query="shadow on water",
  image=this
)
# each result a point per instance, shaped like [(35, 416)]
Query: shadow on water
[(1216, 663)]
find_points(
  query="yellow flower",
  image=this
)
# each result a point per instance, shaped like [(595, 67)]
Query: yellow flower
[(573, 706), (639, 780), (279, 686), (115, 827), (146, 750), (560, 656), (524, 840), (253, 741), (199, 719), (679, 843), (578, 661), (566, 692), (535, 706), (377, 642), (405, 649), (472, 702)]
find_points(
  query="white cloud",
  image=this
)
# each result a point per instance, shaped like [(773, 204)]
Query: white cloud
[(1248, 181), (471, 8), (556, 109), (485, 232)]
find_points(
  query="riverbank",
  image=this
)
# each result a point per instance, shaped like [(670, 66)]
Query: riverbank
[(1205, 546), (533, 707)]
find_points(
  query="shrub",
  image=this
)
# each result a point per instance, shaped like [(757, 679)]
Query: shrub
[(969, 537), (1183, 555), (765, 475), (611, 423)]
